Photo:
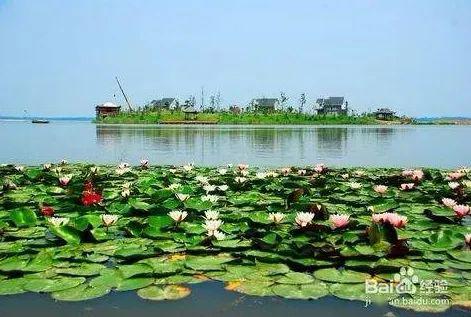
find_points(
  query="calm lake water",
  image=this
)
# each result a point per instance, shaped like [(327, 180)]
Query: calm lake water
[(404, 146), (401, 146)]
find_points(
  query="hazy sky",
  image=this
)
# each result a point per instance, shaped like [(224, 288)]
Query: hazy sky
[(60, 57)]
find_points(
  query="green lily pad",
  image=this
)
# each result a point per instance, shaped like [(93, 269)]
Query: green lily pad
[(168, 292)]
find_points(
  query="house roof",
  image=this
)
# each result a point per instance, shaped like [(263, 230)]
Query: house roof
[(162, 102), (331, 101), (266, 102), (108, 105), (385, 111), (190, 110)]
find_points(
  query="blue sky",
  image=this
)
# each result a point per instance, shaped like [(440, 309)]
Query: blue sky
[(60, 57)]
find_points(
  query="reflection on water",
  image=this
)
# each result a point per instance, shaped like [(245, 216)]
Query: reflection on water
[(258, 145)]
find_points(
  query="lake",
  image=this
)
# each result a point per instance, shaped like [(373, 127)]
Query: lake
[(399, 146), (394, 146)]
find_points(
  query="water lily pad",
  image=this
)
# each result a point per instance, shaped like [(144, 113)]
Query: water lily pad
[(304, 291), (80, 293), (52, 285), (340, 276), (168, 292), (295, 278)]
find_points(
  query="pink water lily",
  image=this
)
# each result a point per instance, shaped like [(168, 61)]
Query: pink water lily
[(449, 202), (64, 180), (285, 171), (455, 176), (392, 218), (461, 210), (339, 221), (417, 175), (320, 168), (242, 167), (380, 189), (407, 186), (454, 185)]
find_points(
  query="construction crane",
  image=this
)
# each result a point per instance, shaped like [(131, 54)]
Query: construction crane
[(125, 97)]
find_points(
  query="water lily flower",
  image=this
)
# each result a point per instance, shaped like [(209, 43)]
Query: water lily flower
[(276, 217), (47, 211), (261, 175), (212, 225), (210, 198), (94, 169), (417, 175), (211, 215), (223, 188), (467, 183), (209, 188), (304, 218), (182, 197), (126, 190), (123, 165), (47, 166), (393, 218), (64, 162), (355, 185), (285, 171), (122, 169), (320, 168), (19, 168), (240, 180), (188, 167), (57, 170), (455, 176), (64, 180), (272, 174), (58, 221), (222, 171), (449, 202), (339, 221), (109, 220), (202, 179), (219, 235), (244, 173), (407, 186), (461, 210), (467, 239), (407, 173), (173, 170), (302, 172), (242, 167), (345, 176), (8, 184), (454, 185), (174, 186), (359, 173), (178, 215), (89, 195), (380, 189), (144, 163)]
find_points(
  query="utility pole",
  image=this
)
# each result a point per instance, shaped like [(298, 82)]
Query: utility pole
[(125, 97), (202, 98)]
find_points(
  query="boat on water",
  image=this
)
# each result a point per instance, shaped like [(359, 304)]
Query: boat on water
[(39, 121)]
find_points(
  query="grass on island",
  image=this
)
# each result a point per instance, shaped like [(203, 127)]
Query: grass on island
[(231, 118), (79, 231)]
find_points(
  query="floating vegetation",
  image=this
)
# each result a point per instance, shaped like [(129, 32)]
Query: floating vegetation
[(81, 231)]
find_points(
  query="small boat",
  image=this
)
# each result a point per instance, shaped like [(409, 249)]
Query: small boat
[(39, 121)]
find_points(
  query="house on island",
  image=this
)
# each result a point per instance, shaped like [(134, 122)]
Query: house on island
[(265, 104), (107, 109), (191, 114), (235, 109), (384, 114), (164, 104), (332, 106)]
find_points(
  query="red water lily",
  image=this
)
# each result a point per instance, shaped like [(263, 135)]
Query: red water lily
[(89, 195), (47, 211)]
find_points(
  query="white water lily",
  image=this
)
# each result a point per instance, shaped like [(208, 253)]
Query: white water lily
[(345, 176), (449, 202), (210, 198), (302, 172), (241, 167), (178, 215), (354, 185), (126, 190), (454, 185), (122, 168), (222, 171), (56, 170), (173, 170), (211, 215), (272, 174), (202, 179), (285, 171), (109, 220), (219, 235), (212, 225), (58, 221), (244, 172), (240, 180), (188, 167), (64, 162), (223, 188), (209, 188), (467, 183), (174, 186), (94, 169), (144, 163), (123, 165), (47, 166), (64, 180), (19, 168), (261, 175), (304, 218), (359, 173), (276, 217), (182, 197)]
